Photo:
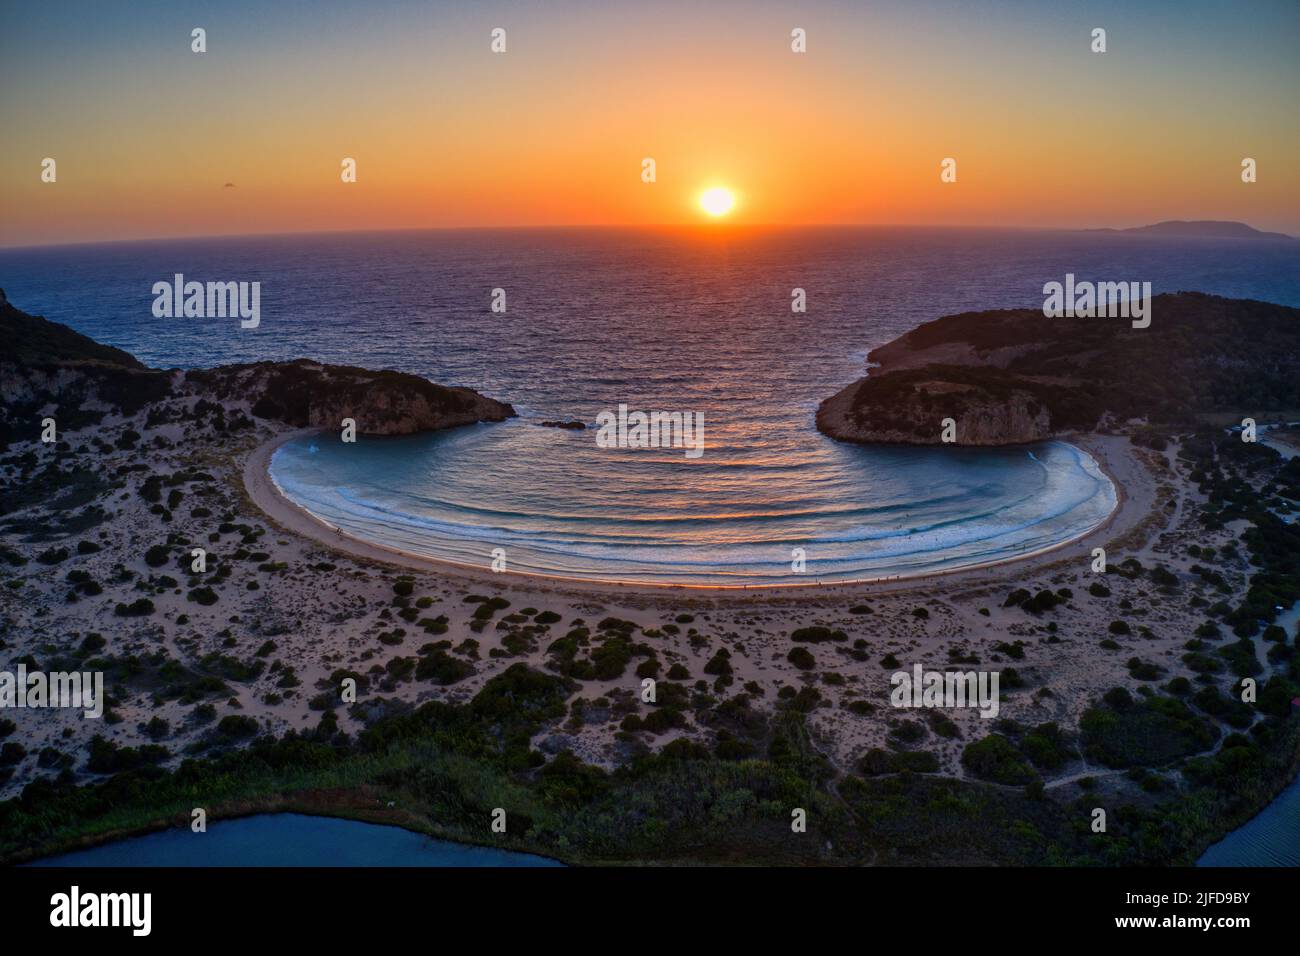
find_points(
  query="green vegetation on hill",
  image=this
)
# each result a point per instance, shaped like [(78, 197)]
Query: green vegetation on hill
[(289, 391), (35, 362), (33, 341), (1214, 355), (444, 768), (47, 365)]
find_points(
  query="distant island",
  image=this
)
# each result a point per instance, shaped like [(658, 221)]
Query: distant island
[(1199, 228)]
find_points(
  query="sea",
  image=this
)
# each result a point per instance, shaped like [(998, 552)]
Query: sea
[(691, 321)]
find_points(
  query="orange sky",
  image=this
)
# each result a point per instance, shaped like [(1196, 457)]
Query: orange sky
[(445, 133)]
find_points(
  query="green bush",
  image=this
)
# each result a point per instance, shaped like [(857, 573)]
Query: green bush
[(996, 759), (137, 608), (1151, 732), (204, 595), (237, 725), (801, 658), (876, 762)]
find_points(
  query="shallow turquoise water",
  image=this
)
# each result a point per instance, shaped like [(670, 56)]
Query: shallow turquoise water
[(558, 504), (291, 839)]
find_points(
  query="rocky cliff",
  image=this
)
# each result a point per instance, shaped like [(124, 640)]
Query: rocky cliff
[(48, 369), (306, 393), (914, 414), (1013, 376)]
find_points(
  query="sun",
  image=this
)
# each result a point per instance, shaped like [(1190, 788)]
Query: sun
[(717, 201)]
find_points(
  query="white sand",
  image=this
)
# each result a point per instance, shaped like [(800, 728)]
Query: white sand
[(321, 620)]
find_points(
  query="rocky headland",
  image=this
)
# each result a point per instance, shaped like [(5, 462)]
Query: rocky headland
[(48, 370), (1013, 376)]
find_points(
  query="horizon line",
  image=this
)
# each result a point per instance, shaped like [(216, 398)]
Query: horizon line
[(699, 226)]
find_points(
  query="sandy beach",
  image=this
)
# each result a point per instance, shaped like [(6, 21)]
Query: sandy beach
[(318, 621), (965, 616), (1112, 454)]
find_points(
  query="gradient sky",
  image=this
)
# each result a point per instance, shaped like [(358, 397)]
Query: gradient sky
[(445, 133)]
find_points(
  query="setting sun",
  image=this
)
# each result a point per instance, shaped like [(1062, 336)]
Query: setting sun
[(717, 201)]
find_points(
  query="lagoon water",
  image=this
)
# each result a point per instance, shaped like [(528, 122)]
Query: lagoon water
[(692, 321), (291, 839), (1270, 838)]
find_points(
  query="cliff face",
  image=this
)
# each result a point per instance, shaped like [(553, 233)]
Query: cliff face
[(48, 369), (1014, 376), (980, 416), (305, 393)]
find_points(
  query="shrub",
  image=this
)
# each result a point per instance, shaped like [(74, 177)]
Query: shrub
[(1143, 670), (995, 758), (1155, 731), (1164, 577), (801, 658), (1180, 686), (720, 663), (908, 732), (817, 634), (876, 761), (1018, 596), (1044, 747), (442, 668), (90, 644), (137, 608), (237, 725), (204, 595), (1042, 601)]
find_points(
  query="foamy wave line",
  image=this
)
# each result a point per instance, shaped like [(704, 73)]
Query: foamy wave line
[(541, 554)]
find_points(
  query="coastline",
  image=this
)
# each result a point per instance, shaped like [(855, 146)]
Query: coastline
[(294, 603), (266, 495), (324, 623)]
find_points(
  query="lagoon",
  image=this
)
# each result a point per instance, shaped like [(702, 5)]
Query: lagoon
[(291, 839)]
